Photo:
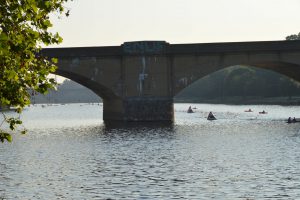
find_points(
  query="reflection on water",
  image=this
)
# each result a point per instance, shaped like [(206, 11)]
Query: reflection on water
[(70, 154)]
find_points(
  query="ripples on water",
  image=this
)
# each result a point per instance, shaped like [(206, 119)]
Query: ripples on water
[(70, 154)]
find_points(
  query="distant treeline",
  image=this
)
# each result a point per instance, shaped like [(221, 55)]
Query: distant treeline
[(67, 92), (233, 85), (241, 84)]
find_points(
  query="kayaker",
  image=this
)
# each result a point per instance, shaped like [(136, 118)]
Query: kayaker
[(190, 110), (210, 116)]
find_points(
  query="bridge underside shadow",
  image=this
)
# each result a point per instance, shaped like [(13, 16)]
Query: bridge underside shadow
[(100, 90), (242, 84), (288, 69)]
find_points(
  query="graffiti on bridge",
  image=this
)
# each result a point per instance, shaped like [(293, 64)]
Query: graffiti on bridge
[(144, 47)]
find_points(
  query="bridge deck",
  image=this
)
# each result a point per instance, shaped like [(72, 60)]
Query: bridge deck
[(197, 48)]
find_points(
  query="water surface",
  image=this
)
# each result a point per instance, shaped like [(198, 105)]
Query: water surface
[(70, 154)]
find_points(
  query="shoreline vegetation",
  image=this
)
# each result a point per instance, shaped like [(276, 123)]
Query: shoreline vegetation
[(284, 101), (4, 108)]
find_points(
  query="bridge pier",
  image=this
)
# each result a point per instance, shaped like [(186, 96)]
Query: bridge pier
[(134, 109)]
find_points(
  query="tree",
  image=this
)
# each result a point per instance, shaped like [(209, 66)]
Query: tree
[(293, 37), (24, 28)]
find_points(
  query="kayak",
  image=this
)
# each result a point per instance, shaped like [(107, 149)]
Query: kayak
[(263, 112), (190, 111), (292, 121), (211, 118)]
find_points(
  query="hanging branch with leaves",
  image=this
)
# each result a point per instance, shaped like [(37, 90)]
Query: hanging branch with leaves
[(24, 28)]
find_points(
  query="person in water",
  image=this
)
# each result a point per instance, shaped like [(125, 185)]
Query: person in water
[(294, 120), (289, 120)]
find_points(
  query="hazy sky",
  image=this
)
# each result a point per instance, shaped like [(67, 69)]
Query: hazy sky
[(112, 22)]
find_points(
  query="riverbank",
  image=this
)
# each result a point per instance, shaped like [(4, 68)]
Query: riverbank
[(243, 100)]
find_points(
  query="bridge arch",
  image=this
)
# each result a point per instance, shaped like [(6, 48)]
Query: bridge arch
[(290, 70), (112, 103), (242, 85), (98, 89)]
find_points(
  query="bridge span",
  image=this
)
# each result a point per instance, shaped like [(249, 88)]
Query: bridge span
[(138, 80)]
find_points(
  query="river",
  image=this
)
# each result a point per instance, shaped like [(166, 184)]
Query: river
[(68, 153)]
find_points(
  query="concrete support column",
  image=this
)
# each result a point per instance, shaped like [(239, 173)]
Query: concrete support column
[(149, 109), (113, 110), (138, 109)]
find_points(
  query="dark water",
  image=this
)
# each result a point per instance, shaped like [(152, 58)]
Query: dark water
[(70, 154)]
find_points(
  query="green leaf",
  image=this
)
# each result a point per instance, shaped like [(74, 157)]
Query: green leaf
[(54, 60), (3, 37), (8, 138)]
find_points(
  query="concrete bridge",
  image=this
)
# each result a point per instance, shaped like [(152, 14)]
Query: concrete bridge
[(138, 80)]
